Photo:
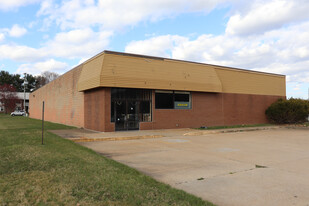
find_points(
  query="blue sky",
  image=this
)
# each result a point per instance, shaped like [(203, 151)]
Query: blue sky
[(55, 35)]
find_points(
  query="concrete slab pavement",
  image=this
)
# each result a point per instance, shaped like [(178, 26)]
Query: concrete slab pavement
[(265, 167)]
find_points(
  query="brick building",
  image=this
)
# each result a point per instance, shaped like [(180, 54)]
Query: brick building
[(21, 97), (115, 91)]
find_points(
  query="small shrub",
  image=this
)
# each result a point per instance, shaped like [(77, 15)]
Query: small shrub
[(288, 111)]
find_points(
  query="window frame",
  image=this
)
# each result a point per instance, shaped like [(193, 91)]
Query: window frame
[(174, 93)]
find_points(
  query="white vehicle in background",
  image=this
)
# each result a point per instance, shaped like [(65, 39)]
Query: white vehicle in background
[(18, 113)]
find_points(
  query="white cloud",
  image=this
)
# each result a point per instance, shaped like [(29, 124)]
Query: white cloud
[(82, 60), (76, 36), (12, 4), (274, 52), (39, 67), (156, 46), (2, 37), (267, 15), (297, 87), (302, 77), (17, 31), (20, 53), (79, 43), (115, 14), (32, 24)]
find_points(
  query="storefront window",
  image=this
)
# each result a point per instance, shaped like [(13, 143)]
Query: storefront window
[(164, 99), (172, 99)]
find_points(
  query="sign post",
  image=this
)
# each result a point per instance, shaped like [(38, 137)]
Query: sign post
[(43, 123)]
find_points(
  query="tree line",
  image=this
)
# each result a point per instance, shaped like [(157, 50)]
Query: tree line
[(12, 83), (34, 82)]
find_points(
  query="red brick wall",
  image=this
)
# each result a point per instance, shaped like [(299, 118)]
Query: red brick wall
[(208, 109), (63, 103), (98, 110), (246, 109), (214, 109)]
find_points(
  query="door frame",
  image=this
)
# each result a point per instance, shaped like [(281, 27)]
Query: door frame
[(122, 119)]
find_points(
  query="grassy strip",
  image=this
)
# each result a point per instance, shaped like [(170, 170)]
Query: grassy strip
[(64, 173), (235, 126)]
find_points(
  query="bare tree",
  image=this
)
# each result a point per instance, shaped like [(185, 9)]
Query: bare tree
[(45, 78), (50, 76)]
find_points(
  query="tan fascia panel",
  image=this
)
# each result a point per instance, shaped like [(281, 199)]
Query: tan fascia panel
[(91, 72), (248, 82), (151, 73), (115, 69)]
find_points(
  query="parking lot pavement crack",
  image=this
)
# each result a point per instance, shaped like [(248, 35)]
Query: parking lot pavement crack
[(236, 172), (179, 183), (219, 175)]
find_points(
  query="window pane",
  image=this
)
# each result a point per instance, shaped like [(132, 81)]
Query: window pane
[(182, 97), (145, 107), (145, 111), (182, 100), (164, 101)]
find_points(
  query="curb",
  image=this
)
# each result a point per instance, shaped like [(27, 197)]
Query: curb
[(85, 139), (230, 130)]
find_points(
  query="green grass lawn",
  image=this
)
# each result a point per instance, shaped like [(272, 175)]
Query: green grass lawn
[(61, 172)]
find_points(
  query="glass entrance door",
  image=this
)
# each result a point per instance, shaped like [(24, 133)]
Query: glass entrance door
[(132, 115), (129, 107), (126, 113), (120, 114)]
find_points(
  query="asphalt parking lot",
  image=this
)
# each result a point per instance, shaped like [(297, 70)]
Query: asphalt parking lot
[(266, 167)]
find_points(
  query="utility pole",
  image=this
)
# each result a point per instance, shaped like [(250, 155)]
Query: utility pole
[(25, 83), (43, 123)]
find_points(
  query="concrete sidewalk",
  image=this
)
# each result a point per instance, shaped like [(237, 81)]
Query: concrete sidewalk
[(84, 135)]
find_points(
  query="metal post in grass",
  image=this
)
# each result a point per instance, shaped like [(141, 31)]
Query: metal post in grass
[(43, 123)]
